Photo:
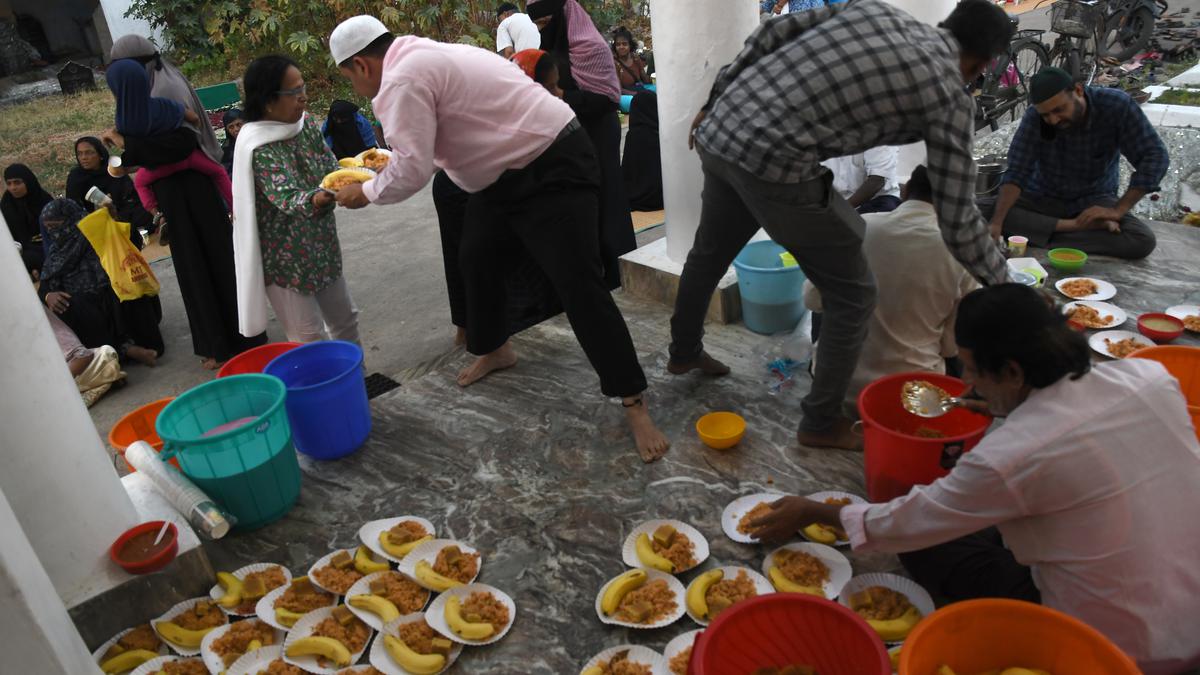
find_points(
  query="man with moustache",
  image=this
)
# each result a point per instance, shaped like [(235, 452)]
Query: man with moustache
[(1061, 187)]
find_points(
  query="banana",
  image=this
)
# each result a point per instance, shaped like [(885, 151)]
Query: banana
[(366, 564), (463, 628), (401, 550), (895, 630), (344, 175), (373, 603), (785, 585), (349, 162), (1023, 671), (945, 670), (411, 661), (233, 590), (127, 661), (594, 670), (437, 582), (254, 644), (176, 634), (696, 601), (286, 618), (820, 534), (646, 554), (321, 646), (618, 588)]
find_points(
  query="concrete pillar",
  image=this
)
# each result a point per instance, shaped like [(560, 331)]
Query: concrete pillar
[(54, 470), (120, 25), (692, 41), (932, 12)]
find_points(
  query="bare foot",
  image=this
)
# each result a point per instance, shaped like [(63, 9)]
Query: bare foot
[(210, 364), (146, 357), (839, 436), (502, 358), (652, 444), (460, 337), (704, 363)]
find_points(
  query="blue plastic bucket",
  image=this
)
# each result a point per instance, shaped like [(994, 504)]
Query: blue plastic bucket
[(232, 439), (772, 294), (326, 397)]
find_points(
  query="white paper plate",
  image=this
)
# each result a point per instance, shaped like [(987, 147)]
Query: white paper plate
[(304, 628), (833, 494), (1096, 340), (629, 549), (637, 654), (435, 616), (1104, 290), (363, 587), (1105, 309), (918, 596), (428, 552), (216, 592), (674, 584), (369, 533), (761, 584), (174, 612), (323, 562), (259, 659), (265, 609), (99, 653), (677, 644), (213, 661), (383, 661), (838, 565), (1182, 312), (152, 666), (738, 508)]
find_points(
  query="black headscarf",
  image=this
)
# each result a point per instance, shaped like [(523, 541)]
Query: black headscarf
[(642, 164), (80, 180), (554, 36), (71, 263), (342, 129), (228, 118), (22, 214)]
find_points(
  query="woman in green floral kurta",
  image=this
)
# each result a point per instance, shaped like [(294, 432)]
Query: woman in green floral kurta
[(301, 258)]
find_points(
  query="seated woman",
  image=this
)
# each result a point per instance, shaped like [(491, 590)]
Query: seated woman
[(284, 233), (91, 171), (232, 120), (75, 286), (21, 205), (95, 370), (631, 70), (346, 131), (641, 165)]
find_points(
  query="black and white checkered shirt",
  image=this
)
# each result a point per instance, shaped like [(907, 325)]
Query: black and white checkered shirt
[(840, 80)]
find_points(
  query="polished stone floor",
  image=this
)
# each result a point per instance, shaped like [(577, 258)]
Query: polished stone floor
[(533, 467)]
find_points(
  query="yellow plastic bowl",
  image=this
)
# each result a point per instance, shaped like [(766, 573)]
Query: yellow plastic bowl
[(721, 430)]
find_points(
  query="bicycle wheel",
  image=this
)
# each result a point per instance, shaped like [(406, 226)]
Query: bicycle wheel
[(1010, 79), (1065, 56), (1127, 33)]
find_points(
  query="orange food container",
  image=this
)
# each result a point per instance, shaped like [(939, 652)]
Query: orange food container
[(980, 635), (1184, 364), (138, 425)]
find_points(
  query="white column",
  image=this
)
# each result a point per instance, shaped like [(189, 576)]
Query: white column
[(120, 25), (931, 12), (54, 470), (692, 41)]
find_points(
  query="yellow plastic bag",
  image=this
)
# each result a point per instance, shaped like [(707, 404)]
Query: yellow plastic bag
[(128, 271)]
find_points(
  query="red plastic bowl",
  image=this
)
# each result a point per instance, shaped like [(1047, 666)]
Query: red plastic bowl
[(784, 629), (1156, 334), (153, 563)]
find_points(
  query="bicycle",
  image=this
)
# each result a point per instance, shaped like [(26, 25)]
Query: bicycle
[(1129, 27), (1003, 93), (1080, 27)]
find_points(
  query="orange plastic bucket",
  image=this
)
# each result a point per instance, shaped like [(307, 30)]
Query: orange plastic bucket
[(977, 636), (1184, 364), (138, 425), (896, 456), (253, 361)]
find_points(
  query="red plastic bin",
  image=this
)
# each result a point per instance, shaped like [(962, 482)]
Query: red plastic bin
[(895, 457), (784, 629), (253, 361)]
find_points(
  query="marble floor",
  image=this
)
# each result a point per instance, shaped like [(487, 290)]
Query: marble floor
[(534, 468)]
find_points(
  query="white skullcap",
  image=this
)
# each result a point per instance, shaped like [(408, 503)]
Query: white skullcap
[(353, 35)]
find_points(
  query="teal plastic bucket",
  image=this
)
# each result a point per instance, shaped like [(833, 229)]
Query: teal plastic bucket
[(232, 439), (772, 293)]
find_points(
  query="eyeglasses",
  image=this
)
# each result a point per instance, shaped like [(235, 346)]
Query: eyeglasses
[(298, 91)]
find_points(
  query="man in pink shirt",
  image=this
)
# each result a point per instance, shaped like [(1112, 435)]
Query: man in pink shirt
[(1084, 499), (533, 178)]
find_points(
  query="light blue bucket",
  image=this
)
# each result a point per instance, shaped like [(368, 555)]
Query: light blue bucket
[(772, 293)]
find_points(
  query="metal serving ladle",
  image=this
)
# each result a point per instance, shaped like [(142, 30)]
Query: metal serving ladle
[(924, 399)]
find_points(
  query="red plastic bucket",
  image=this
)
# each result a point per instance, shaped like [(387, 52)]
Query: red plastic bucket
[(896, 457), (254, 361), (783, 629)]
